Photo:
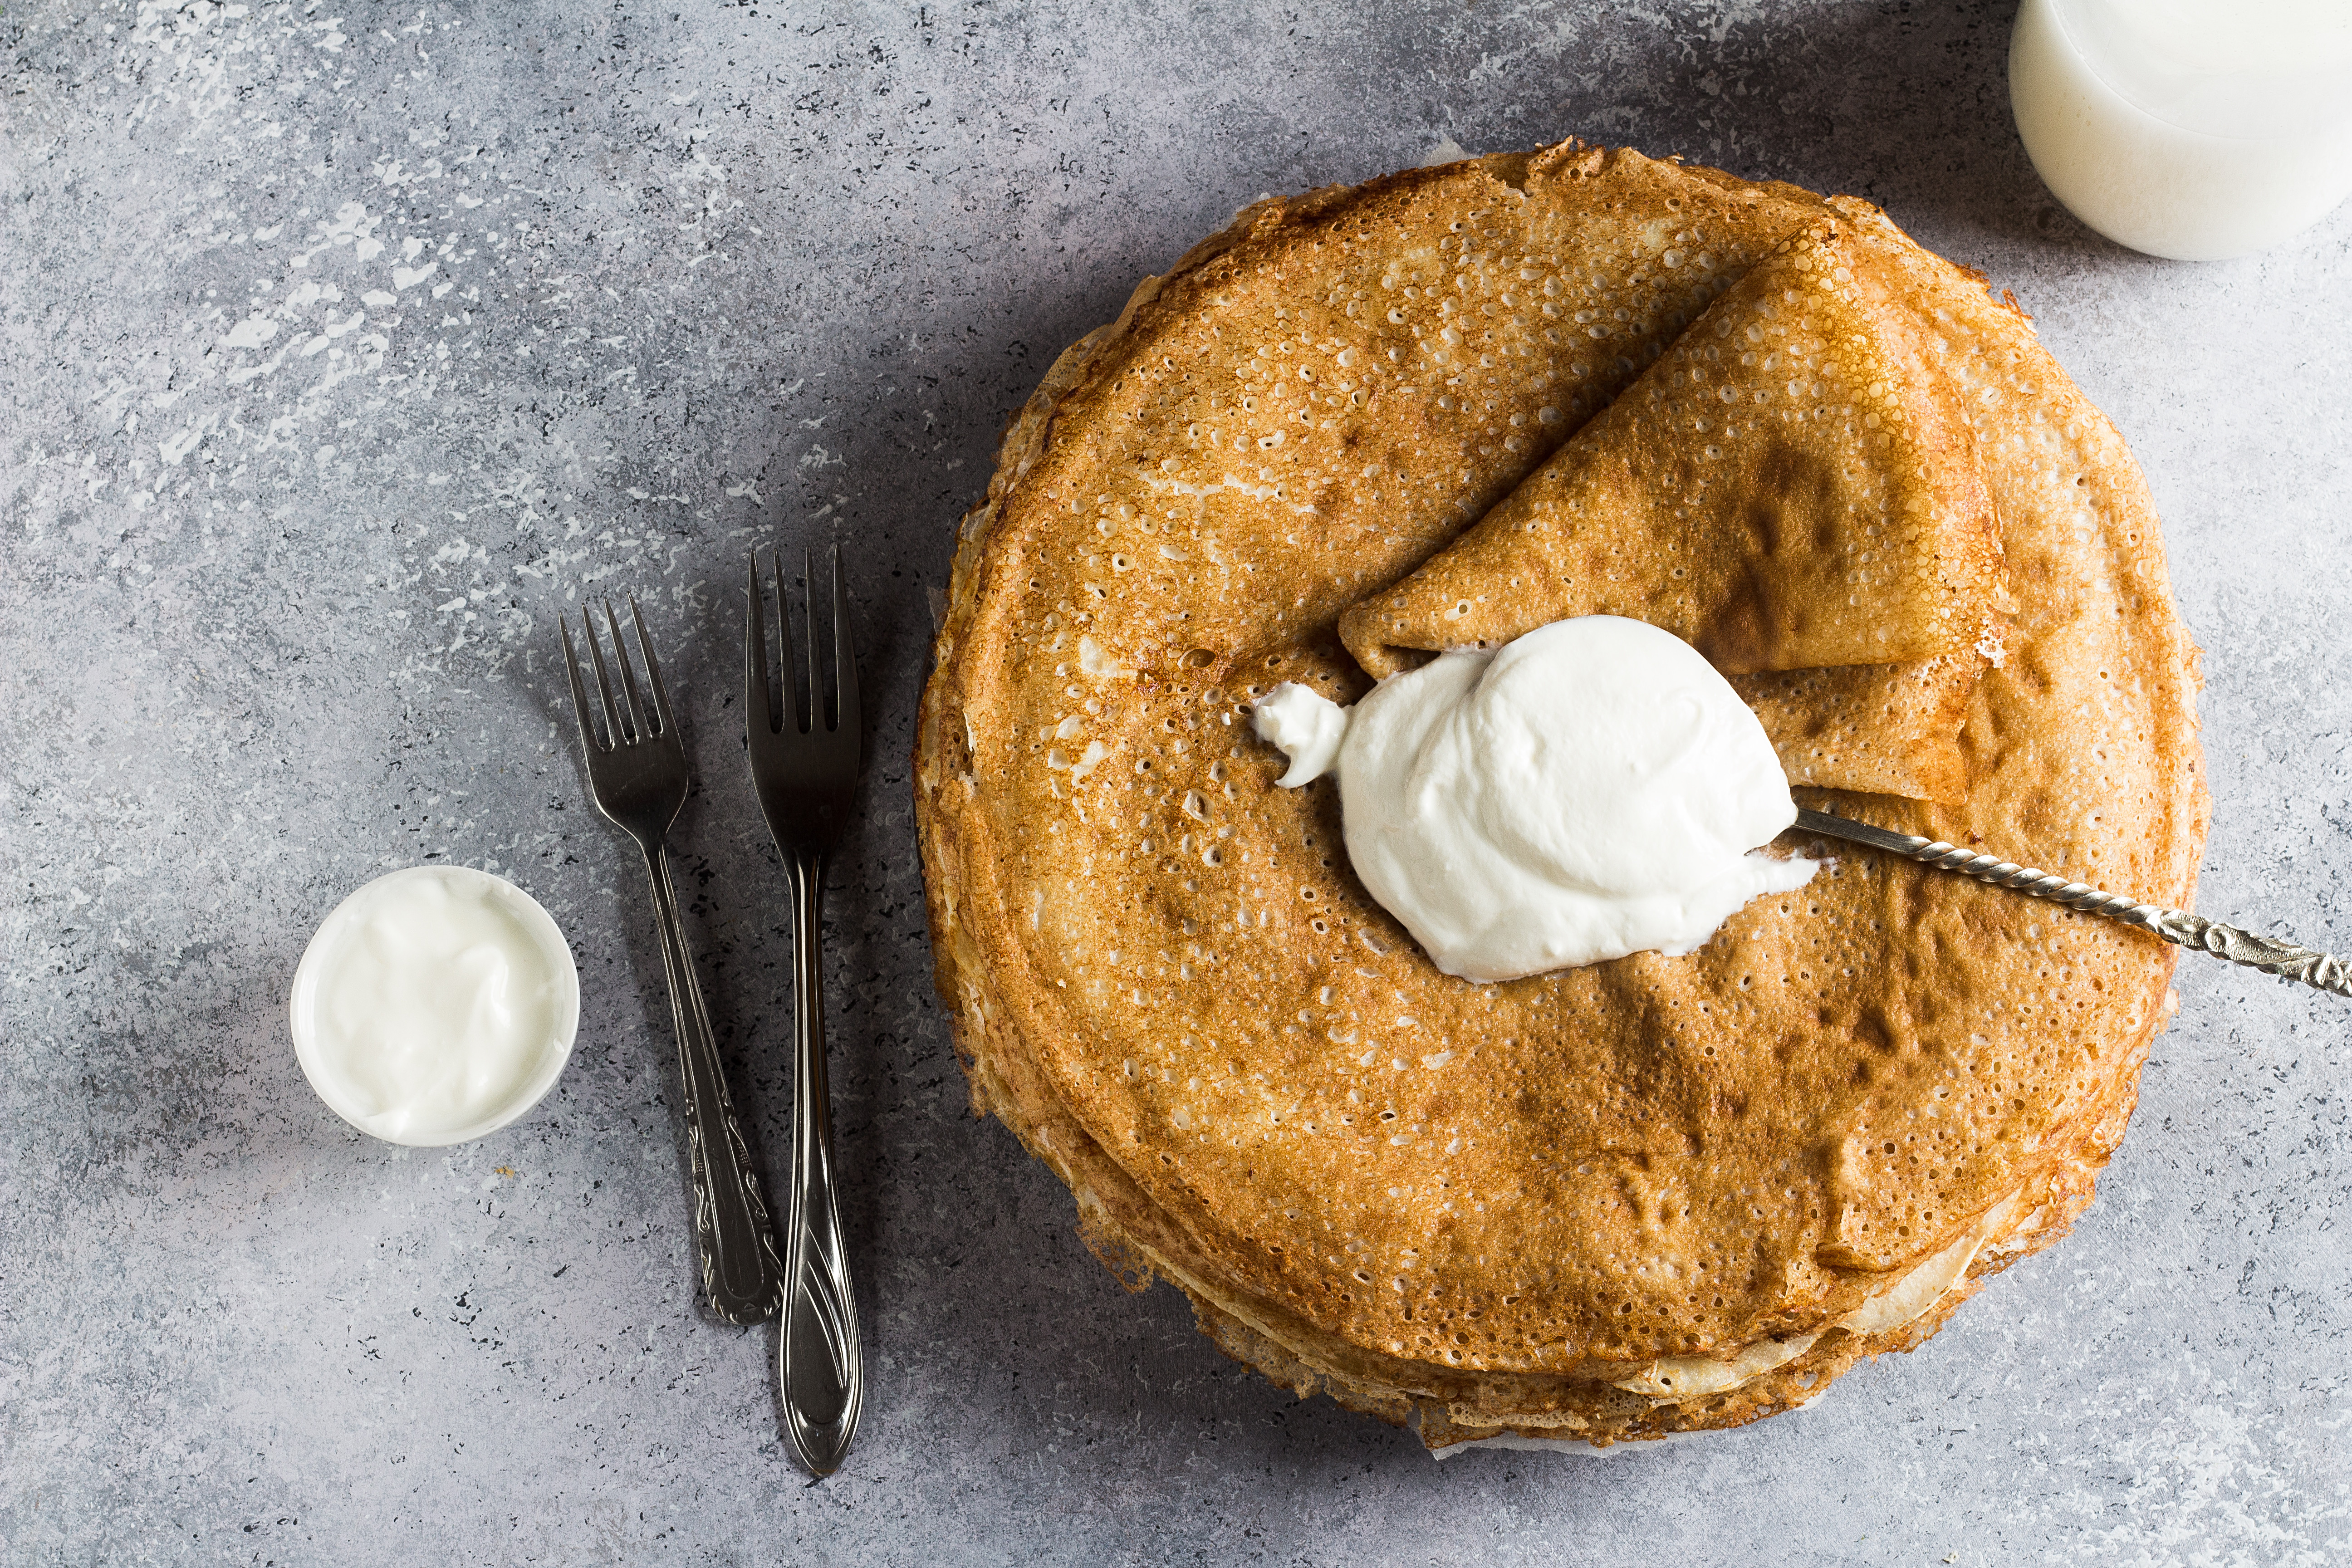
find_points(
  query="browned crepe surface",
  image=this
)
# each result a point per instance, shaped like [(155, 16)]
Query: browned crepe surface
[(1878, 729), (1471, 1202)]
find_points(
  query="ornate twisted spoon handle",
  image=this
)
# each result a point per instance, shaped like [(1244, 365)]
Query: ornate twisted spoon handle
[(2323, 971)]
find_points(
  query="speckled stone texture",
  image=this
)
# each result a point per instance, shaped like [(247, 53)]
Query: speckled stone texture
[(344, 344)]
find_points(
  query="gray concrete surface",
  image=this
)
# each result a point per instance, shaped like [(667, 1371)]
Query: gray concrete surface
[(342, 343)]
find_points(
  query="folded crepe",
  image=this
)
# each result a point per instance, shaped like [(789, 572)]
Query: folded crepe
[(1787, 488), (1884, 729)]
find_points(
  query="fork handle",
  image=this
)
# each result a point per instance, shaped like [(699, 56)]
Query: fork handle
[(821, 1368), (742, 1278)]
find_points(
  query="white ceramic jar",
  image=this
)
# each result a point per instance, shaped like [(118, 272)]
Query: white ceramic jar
[(2191, 128), (435, 1005)]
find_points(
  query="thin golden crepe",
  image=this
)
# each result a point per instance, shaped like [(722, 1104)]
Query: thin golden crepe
[(1788, 488), (1651, 1195)]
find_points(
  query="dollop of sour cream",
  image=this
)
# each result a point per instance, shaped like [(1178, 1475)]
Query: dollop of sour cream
[(435, 1004), (1590, 790)]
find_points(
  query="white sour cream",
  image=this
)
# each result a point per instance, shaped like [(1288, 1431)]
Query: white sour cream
[(435, 1005), (1593, 789)]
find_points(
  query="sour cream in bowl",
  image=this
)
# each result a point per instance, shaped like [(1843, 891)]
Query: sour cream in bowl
[(435, 1005)]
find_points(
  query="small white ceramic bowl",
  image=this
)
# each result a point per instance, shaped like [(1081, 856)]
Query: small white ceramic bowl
[(329, 947)]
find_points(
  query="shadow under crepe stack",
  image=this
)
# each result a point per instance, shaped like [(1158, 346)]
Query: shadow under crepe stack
[(1651, 1195)]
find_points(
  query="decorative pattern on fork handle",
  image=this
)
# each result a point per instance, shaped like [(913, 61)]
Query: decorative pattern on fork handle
[(2321, 970), (732, 1224), (639, 781), (807, 782)]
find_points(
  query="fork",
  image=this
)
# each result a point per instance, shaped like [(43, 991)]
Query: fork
[(807, 779), (639, 778)]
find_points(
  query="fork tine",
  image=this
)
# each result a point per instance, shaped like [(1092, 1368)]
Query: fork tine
[(579, 692), (789, 706), (758, 707), (628, 675), (817, 666), (603, 681), (652, 669), (845, 654)]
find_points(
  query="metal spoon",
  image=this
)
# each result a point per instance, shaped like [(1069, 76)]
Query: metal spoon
[(2324, 971)]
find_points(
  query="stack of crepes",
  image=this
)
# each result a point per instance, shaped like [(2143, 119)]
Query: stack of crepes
[(1649, 1196)]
